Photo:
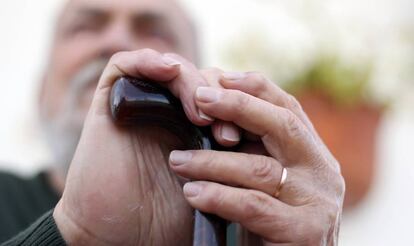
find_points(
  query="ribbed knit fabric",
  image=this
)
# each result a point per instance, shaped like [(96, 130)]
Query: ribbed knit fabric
[(43, 232), (26, 206)]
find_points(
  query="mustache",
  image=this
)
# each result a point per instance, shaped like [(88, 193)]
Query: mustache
[(88, 75), (80, 83)]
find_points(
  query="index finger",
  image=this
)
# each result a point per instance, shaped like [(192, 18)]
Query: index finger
[(184, 86), (180, 76), (285, 136), (144, 63)]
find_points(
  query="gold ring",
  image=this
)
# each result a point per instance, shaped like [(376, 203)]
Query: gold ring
[(281, 183)]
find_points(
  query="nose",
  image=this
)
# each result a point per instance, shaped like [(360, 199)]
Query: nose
[(117, 37)]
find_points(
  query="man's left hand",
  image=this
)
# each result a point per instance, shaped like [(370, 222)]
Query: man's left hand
[(242, 186)]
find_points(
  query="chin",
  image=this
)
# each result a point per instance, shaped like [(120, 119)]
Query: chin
[(62, 136)]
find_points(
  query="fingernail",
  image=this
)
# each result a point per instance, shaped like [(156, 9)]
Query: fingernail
[(207, 94), (192, 189), (234, 75), (204, 116), (230, 133), (170, 61), (178, 157)]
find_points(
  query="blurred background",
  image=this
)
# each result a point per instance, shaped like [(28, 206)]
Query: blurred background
[(350, 63)]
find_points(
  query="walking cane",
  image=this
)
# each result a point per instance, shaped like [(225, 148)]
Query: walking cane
[(135, 101)]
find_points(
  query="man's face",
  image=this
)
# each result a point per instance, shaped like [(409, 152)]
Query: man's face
[(88, 33)]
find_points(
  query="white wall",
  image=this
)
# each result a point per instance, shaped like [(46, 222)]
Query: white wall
[(24, 26)]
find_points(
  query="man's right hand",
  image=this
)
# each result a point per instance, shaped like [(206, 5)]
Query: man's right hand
[(119, 189)]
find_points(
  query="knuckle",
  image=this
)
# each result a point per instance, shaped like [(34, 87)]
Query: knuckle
[(292, 103), (257, 77), (260, 82), (241, 100), (334, 215), (263, 170), (209, 159), (336, 180), (334, 165), (317, 235), (293, 125), (332, 208), (337, 184), (341, 186), (253, 205), (118, 57), (329, 211), (212, 75), (312, 232), (215, 199)]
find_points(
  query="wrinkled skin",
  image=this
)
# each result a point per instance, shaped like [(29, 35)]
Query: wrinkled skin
[(132, 199), (108, 178)]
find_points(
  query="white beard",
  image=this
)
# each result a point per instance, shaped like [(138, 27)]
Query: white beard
[(63, 131)]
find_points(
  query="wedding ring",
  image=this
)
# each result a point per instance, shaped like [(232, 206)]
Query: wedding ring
[(281, 183)]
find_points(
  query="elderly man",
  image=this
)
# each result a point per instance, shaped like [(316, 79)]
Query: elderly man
[(281, 186)]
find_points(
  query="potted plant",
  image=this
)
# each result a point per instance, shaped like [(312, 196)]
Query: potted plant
[(336, 98), (335, 95)]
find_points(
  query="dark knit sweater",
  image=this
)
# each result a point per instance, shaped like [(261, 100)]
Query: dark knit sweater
[(26, 206)]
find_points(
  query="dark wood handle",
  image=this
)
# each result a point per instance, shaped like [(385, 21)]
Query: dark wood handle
[(134, 101)]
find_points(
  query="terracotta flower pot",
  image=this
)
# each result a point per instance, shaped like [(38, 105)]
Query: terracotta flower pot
[(350, 133)]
